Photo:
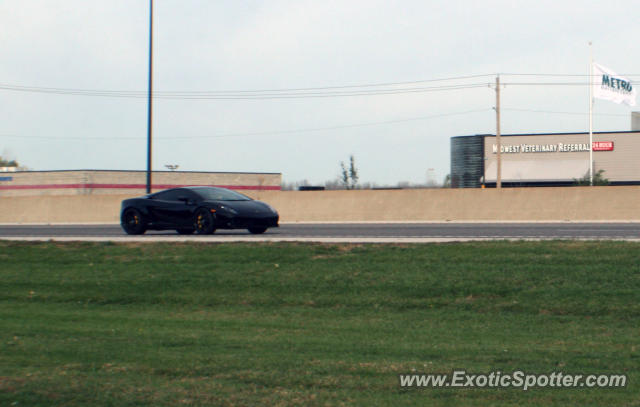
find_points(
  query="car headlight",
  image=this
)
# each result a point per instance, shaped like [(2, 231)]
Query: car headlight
[(228, 209)]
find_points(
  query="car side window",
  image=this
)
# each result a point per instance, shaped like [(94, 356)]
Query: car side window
[(171, 195), (187, 194)]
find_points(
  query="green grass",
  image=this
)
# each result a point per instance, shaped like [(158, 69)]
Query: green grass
[(312, 325)]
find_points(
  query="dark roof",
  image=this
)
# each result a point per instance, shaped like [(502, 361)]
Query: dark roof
[(553, 134)]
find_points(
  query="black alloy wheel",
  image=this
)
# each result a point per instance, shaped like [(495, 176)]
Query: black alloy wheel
[(204, 222), (133, 222)]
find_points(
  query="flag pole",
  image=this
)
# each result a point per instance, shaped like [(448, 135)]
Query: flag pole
[(499, 169), (590, 114)]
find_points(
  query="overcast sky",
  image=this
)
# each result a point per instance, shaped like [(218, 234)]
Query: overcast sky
[(214, 46)]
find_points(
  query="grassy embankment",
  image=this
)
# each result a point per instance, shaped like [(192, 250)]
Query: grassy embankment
[(293, 324)]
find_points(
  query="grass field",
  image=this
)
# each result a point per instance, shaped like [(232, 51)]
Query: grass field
[(313, 325)]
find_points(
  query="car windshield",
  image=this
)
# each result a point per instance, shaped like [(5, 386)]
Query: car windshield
[(220, 194)]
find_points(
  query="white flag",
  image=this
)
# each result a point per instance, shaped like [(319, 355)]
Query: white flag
[(608, 85)]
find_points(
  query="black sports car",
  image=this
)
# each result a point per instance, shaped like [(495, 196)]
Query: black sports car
[(196, 209)]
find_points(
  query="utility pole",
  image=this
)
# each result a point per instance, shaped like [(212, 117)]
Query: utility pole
[(150, 101), (498, 144), (590, 114)]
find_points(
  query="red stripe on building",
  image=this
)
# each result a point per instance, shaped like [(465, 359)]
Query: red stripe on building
[(137, 186)]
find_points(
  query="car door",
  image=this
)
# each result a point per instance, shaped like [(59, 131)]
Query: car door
[(185, 205), (170, 211)]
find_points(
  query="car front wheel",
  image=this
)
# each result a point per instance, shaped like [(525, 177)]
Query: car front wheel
[(204, 222)]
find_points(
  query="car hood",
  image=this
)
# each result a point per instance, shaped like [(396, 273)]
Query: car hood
[(244, 208)]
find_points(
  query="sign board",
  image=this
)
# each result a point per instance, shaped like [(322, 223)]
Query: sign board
[(554, 148), (603, 146)]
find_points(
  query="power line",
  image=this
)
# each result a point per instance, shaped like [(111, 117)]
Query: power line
[(264, 133), (277, 90), (556, 83), (238, 96), (367, 89), (346, 126), (183, 95), (358, 86), (316, 129), (307, 95), (321, 91), (562, 112)]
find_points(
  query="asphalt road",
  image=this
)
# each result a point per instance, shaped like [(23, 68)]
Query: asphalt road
[(346, 231)]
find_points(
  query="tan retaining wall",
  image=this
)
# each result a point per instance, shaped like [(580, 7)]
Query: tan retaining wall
[(513, 204)]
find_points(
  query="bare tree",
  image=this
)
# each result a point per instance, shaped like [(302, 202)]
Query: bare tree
[(447, 181), (353, 172), (344, 175), (349, 176)]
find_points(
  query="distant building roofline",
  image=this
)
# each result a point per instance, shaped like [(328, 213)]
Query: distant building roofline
[(552, 134), (160, 171)]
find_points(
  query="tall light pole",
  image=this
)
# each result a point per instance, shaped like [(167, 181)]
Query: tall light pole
[(150, 101)]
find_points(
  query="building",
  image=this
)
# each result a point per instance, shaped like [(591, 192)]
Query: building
[(553, 159), (92, 182)]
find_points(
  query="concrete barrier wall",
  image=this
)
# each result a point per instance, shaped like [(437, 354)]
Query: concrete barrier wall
[(537, 204), (513, 204)]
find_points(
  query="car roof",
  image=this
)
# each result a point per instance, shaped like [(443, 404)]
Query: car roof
[(202, 187), (193, 188)]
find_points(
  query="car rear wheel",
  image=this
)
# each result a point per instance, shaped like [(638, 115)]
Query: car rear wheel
[(257, 230), (185, 231), (204, 222), (133, 222)]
